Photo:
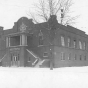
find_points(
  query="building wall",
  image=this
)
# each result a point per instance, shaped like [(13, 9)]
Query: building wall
[(71, 56), (59, 55)]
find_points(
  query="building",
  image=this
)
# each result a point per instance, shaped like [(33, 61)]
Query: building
[(47, 44)]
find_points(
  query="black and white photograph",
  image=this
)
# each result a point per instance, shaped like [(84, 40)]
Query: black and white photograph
[(43, 43)]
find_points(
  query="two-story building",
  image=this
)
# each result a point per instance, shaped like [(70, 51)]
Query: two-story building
[(47, 44)]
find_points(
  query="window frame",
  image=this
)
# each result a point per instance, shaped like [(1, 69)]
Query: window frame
[(62, 40), (41, 39), (74, 43), (45, 55), (84, 45), (69, 42), (80, 44), (69, 56), (9, 41), (80, 57), (62, 56), (75, 57)]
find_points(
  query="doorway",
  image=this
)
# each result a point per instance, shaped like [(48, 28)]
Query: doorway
[(15, 59)]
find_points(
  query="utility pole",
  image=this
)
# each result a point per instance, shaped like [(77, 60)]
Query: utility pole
[(51, 59)]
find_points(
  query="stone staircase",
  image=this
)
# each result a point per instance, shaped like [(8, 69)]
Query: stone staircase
[(3, 57), (38, 61)]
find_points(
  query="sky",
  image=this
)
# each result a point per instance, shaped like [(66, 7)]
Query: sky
[(12, 10)]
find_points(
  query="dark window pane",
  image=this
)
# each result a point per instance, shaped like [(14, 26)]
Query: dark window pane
[(14, 40), (45, 54)]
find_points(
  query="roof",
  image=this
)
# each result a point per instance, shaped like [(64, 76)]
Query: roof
[(41, 26)]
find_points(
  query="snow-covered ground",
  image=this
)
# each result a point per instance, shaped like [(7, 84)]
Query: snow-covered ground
[(69, 77)]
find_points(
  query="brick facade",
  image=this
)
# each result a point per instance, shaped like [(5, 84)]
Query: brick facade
[(48, 44)]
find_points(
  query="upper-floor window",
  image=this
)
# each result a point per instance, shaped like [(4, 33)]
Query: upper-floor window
[(84, 45), (14, 40), (62, 41), (69, 42), (80, 45), (74, 43), (40, 38)]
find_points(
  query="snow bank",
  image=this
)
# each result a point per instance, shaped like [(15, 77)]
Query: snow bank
[(69, 77)]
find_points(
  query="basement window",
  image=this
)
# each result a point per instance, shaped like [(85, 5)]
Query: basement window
[(45, 54), (29, 59)]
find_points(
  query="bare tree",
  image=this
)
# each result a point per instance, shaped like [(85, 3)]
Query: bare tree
[(45, 8)]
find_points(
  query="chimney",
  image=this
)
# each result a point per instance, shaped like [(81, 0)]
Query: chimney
[(53, 21)]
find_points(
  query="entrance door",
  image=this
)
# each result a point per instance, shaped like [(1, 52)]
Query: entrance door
[(15, 60)]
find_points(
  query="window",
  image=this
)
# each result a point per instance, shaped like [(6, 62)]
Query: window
[(80, 45), (75, 57), (62, 41), (80, 57), (40, 38), (85, 57), (69, 56), (29, 59), (74, 43), (14, 40), (69, 42), (7, 41), (62, 56), (84, 45), (45, 54)]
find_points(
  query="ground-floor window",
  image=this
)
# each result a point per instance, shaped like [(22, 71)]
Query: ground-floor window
[(85, 57), (29, 59), (62, 56), (80, 57), (75, 57), (69, 56)]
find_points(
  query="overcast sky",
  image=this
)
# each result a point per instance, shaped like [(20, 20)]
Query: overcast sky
[(12, 10)]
